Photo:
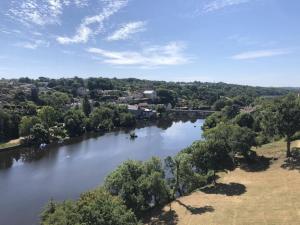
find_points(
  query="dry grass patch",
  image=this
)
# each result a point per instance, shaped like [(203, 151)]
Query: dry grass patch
[(269, 196)]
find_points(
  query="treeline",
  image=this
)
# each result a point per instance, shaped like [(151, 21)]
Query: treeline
[(50, 124), (138, 187), (192, 94), (53, 122)]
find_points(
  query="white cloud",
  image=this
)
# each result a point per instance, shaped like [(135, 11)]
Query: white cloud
[(127, 30), (220, 4), (41, 12), (153, 56), (85, 30), (261, 54), (33, 45)]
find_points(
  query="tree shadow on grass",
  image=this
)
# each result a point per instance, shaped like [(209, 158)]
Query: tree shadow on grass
[(258, 164), (230, 189), (292, 163), (161, 217), (196, 210)]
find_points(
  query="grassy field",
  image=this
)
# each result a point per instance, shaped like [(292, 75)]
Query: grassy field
[(267, 193), (10, 144)]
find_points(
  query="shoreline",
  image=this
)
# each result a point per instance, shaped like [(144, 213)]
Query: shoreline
[(163, 123)]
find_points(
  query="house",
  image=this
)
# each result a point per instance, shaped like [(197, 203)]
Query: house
[(140, 112), (82, 91), (151, 94)]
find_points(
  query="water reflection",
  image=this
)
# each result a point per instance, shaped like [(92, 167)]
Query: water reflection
[(30, 177)]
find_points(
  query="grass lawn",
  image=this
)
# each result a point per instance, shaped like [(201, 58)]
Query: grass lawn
[(10, 144), (268, 194)]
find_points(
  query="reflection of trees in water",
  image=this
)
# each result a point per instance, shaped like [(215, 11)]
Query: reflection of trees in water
[(32, 154), (7, 159), (6, 162), (26, 155)]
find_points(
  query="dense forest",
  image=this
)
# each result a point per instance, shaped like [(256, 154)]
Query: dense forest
[(44, 110)]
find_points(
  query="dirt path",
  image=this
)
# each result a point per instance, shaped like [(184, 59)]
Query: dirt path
[(269, 195)]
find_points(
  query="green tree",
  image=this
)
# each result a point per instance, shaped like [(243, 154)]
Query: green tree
[(245, 120), (166, 96), (48, 115), (39, 134), (234, 139), (27, 124), (95, 207), (286, 115), (74, 122), (4, 125), (127, 120), (101, 119), (184, 178), (138, 184), (210, 156), (86, 106)]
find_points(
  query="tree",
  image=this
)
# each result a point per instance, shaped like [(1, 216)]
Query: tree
[(233, 138), (166, 96), (95, 207), (101, 119), (48, 115), (86, 106), (74, 122), (34, 94), (285, 114), (39, 134), (138, 184), (184, 178), (27, 124), (209, 156), (245, 120), (127, 120)]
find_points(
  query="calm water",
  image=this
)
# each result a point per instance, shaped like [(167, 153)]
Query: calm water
[(29, 178)]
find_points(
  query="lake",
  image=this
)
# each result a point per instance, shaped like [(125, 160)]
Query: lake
[(29, 177)]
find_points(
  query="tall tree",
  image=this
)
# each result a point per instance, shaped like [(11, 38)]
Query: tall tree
[(86, 106), (287, 116)]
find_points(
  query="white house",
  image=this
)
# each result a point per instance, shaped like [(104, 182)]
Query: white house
[(150, 94)]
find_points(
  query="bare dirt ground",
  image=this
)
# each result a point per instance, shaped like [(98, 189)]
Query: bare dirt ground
[(267, 193)]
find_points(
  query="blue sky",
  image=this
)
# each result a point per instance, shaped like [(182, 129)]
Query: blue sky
[(254, 42)]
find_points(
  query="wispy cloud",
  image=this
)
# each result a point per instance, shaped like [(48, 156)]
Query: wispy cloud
[(127, 30), (33, 44), (153, 56), (261, 54), (220, 4), (41, 12), (85, 30)]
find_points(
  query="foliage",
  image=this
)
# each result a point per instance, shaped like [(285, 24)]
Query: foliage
[(166, 96), (283, 116), (245, 120), (101, 119), (184, 178), (95, 207), (27, 124), (234, 139), (86, 106), (74, 122), (48, 116), (39, 134), (140, 185)]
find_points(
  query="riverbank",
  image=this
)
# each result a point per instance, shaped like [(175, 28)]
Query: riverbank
[(161, 122), (10, 145), (266, 194), (33, 176)]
